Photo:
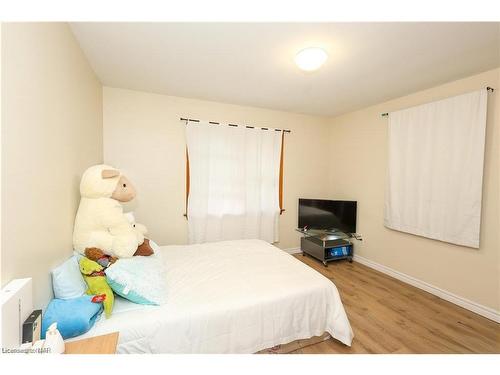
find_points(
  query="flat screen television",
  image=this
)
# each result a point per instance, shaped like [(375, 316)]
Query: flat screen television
[(327, 214)]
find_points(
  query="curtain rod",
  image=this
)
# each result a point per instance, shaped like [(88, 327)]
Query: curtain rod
[(490, 89), (246, 126)]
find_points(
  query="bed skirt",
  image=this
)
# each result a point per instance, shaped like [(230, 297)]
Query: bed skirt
[(295, 345)]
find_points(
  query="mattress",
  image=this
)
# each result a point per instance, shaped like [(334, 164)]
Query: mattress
[(230, 297)]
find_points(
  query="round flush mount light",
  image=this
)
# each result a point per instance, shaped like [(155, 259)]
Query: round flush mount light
[(310, 59)]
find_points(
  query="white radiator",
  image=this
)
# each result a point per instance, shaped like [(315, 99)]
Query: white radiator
[(17, 305)]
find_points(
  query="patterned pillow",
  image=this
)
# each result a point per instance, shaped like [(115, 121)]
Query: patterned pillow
[(139, 279)]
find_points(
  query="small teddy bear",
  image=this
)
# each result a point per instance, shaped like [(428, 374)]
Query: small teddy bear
[(97, 255)]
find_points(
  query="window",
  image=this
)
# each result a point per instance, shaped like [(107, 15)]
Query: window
[(234, 182)]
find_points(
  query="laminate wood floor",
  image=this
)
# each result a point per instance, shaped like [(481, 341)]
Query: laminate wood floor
[(389, 316)]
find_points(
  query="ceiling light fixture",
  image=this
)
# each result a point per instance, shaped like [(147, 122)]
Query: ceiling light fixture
[(310, 59)]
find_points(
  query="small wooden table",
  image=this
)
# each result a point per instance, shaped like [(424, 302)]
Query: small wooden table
[(105, 344)]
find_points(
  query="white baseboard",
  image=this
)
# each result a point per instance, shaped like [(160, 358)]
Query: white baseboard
[(293, 250), (487, 312)]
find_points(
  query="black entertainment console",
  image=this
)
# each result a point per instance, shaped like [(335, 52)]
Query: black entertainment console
[(326, 246), (327, 227)]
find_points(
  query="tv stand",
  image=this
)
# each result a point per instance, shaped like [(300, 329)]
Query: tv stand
[(326, 246)]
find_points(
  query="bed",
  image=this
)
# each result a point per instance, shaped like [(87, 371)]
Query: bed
[(230, 297)]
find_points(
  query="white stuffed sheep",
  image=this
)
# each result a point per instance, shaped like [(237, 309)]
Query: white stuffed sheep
[(100, 221)]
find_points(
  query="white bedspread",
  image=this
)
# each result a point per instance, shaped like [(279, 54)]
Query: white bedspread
[(230, 297)]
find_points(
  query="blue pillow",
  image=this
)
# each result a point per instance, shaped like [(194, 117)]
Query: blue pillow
[(67, 281), (74, 316), (129, 294), (139, 279)]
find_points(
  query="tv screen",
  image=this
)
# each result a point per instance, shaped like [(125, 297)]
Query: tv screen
[(326, 214)]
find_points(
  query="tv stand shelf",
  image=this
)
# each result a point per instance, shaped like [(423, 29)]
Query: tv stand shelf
[(326, 246)]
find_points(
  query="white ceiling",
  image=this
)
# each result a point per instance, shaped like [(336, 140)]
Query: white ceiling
[(252, 63)]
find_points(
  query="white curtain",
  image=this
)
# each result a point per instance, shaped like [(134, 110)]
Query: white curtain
[(234, 182), (435, 169)]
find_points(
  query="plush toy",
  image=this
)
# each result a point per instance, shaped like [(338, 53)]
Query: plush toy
[(100, 221), (97, 255), (144, 249), (95, 278), (139, 227)]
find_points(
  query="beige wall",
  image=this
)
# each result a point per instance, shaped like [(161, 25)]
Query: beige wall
[(1, 126), (143, 135), (341, 158), (357, 171), (51, 132), (52, 129)]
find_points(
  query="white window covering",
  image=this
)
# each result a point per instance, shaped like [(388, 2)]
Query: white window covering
[(435, 169), (234, 183)]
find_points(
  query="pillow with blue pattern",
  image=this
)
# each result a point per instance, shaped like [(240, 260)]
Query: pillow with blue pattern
[(139, 279)]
